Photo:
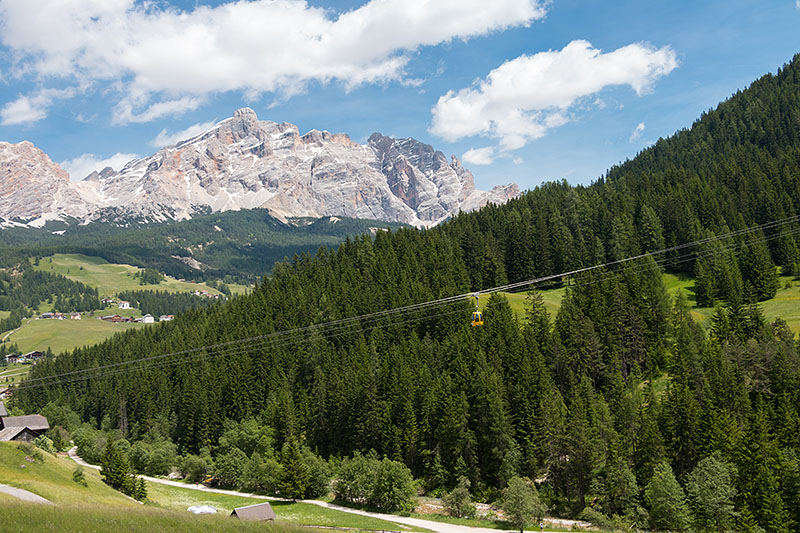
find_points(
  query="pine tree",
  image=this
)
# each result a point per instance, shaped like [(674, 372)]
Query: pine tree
[(296, 474), (667, 501)]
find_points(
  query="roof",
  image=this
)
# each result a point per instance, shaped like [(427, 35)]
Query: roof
[(8, 434), (3, 411), (259, 511), (34, 422)]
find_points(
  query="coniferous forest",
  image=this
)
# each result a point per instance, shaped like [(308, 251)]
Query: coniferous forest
[(620, 404)]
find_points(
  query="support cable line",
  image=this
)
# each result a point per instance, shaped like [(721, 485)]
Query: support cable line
[(359, 324)]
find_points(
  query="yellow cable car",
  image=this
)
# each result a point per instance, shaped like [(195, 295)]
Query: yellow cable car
[(477, 316)]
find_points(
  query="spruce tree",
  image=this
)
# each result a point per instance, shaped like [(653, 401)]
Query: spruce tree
[(667, 501)]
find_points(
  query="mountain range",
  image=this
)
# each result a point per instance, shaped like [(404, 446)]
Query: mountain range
[(243, 163)]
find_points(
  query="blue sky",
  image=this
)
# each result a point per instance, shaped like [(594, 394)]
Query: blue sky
[(523, 91)]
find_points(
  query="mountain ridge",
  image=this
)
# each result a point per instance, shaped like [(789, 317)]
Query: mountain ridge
[(243, 162)]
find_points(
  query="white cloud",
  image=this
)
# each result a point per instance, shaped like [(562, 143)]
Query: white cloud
[(525, 97), (85, 164), (123, 112), (479, 156), (637, 132), (797, 4), (28, 109), (165, 139), (151, 53)]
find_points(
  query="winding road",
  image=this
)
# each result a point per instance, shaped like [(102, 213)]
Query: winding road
[(438, 527)]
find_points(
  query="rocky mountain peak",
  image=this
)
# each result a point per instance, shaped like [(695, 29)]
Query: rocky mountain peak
[(243, 162)]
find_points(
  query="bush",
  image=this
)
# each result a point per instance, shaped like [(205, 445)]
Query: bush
[(193, 468), (60, 438), (228, 467), (261, 474), (458, 502), (79, 477), (45, 444), (384, 484)]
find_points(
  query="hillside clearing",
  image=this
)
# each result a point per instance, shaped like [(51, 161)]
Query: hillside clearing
[(63, 335), (109, 278)]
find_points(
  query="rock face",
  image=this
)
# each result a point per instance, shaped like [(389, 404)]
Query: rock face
[(31, 185), (243, 163)]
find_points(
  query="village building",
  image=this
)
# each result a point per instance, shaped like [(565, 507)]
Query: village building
[(75, 316), (124, 305), (165, 318), (148, 319), (12, 358), (21, 428), (46, 315), (258, 512), (33, 356)]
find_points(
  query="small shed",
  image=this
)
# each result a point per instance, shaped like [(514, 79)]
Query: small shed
[(36, 423), (258, 512), (18, 434)]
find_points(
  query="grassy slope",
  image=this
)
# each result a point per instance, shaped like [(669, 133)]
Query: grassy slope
[(785, 305), (109, 278), (62, 335), (296, 513), (52, 479), (12, 373), (91, 518), (99, 507)]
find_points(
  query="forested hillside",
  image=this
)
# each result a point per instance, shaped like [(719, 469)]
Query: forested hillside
[(235, 245), (21, 292), (619, 399)]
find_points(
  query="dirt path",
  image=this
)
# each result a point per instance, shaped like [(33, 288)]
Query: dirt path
[(438, 527), (24, 495)]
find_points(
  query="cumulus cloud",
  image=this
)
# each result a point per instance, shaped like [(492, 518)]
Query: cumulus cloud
[(637, 132), (150, 53), (479, 156), (29, 109), (525, 97), (85, 164), (165, 138)]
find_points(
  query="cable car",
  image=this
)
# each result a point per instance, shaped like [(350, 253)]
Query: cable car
[(477, 316)]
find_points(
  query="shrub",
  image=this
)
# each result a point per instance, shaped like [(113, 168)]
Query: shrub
[(193, 468), (458, 502), (45, 444), (79, 477)]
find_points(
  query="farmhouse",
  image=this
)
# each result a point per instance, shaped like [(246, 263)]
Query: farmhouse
[(12, 358), (258, 512), (33, 356), (112, 318), (75, 316), (165, 318), (22, 428), (46, 315), (148, 319), (124, 305)]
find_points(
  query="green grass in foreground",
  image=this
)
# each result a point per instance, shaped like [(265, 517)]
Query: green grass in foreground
[(62, 335), (109, 278), (52, 479), (92, 518), (288, 512), (486, 523)]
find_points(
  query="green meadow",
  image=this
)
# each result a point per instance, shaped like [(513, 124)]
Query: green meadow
[(109, 278)]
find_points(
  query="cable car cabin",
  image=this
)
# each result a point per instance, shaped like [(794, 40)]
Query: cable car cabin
[(477, 318)]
